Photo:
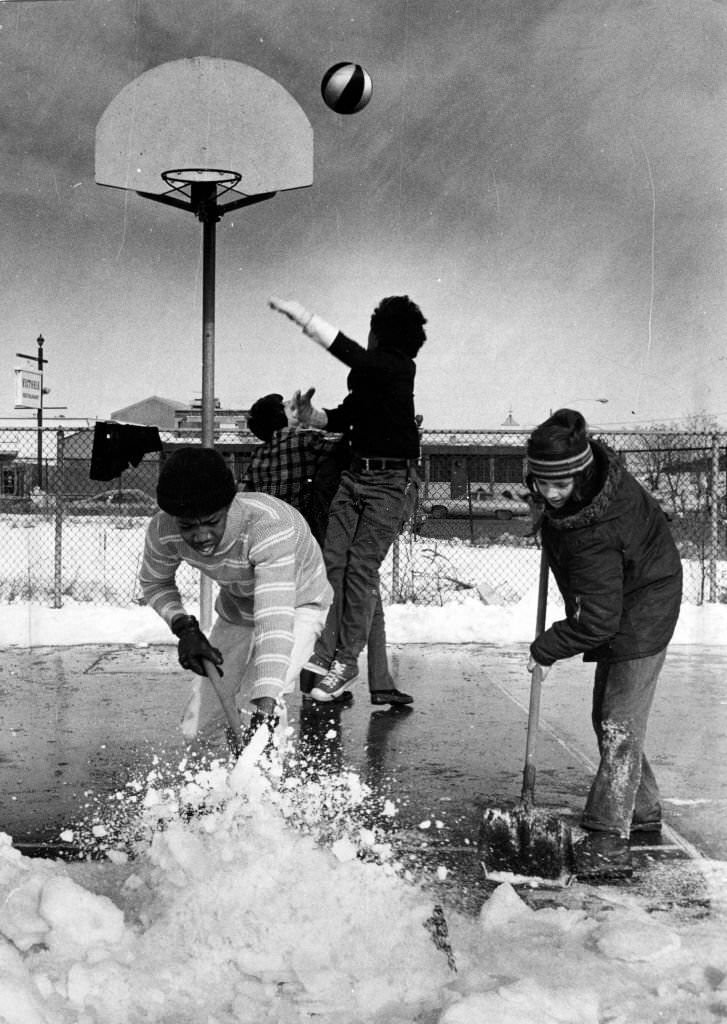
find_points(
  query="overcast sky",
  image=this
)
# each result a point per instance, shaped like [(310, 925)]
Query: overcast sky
[(546, 179)]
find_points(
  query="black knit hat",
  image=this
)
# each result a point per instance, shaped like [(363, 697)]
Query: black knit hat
[(559, 447), (266, 416), (195, 482)]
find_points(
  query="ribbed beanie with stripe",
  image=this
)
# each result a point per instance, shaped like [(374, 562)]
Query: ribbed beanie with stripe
[(559, 447)]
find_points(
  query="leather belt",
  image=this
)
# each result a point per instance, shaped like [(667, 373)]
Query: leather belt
[(360, 464)]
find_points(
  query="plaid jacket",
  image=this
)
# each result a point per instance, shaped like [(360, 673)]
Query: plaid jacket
[(285, 465)]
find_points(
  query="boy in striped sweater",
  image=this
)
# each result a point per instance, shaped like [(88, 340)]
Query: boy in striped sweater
[(273, 592)]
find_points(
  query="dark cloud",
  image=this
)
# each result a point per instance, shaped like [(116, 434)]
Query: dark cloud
[(547, 179)]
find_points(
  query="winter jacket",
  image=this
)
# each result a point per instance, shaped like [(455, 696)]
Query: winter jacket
[(377, 415), (618, 569)]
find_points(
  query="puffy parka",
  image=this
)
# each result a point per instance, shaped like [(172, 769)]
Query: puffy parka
[(618, 569)]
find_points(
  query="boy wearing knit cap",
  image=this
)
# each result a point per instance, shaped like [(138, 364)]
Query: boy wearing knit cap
[(273, 591), (609, 546)]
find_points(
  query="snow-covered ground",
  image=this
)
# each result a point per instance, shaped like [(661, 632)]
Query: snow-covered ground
[(464, 619), (93, 559), (259, 910)]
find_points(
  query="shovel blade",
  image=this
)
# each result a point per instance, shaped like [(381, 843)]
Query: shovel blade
[(525, 841)]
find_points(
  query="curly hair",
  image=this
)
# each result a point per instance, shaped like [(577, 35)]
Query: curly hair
[(398, 323)]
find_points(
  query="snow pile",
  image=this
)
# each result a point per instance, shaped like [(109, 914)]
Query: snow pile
[(465, 621), (247, 896), (559, 966), (228, 914)]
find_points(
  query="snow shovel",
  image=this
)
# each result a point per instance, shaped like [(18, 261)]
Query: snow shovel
[(234, 727), (524, 840)]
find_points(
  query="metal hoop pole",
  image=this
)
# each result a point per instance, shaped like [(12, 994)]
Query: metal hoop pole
[(204, 196)]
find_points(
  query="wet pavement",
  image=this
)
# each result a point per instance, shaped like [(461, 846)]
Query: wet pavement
[(82, 719)]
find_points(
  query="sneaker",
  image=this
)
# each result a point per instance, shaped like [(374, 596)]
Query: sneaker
[(392, 696), (602, 857), (317, 664), (339, 676), (344, 698)]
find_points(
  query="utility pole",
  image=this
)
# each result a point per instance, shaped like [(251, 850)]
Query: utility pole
[(41, 362)]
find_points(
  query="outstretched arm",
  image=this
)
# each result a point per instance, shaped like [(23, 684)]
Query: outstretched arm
[(313, 325)]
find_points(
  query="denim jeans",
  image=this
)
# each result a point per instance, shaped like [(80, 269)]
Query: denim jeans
[(378, 663), (364, 518), (624, 789)]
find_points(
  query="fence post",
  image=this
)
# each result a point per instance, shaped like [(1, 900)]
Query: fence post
[(714, 520), (58, 544)]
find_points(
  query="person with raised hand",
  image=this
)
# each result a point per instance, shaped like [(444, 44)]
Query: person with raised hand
[(374, 493)]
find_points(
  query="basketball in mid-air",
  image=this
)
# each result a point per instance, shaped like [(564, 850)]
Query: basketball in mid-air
[(346, 87)]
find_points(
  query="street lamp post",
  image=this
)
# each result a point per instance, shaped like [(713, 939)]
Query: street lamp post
[(40, 362)]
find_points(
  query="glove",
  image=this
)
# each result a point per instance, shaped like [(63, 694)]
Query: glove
[(293, 310), (259, 720), (290, 408), (194, 648), (307, 415), (544, 669), (314, 326)]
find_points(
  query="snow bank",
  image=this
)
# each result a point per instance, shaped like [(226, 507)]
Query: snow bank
[(466, 621), (249, 897)]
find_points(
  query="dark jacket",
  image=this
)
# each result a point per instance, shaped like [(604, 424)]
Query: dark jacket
[(377, 415), (618, 569)]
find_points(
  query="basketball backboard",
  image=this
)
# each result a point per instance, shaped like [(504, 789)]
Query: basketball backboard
[(211, 119)]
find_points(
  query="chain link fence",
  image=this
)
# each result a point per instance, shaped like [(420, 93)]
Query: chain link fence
[(65, 537)]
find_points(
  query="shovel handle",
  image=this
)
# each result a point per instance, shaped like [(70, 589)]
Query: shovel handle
[(536, 686), (228, 703), (543, 580)]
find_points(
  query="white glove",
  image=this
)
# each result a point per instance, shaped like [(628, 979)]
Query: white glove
[(290, 407), (306, 414), (293, 310), (313, 325)]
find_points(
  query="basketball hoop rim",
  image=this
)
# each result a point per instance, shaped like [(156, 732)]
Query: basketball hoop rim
[(181, 177)]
